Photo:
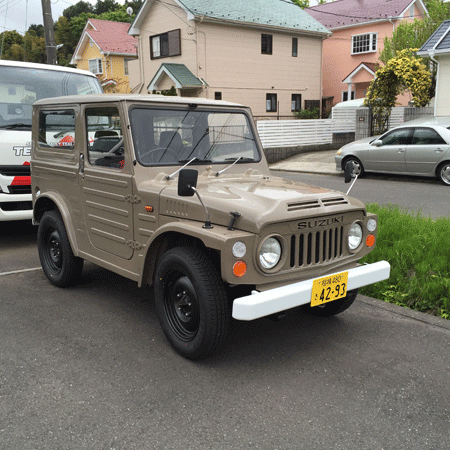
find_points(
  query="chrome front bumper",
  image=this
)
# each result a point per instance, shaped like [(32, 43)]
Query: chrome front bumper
[(260, 304)]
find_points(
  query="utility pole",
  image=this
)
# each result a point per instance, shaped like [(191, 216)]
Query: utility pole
[(49, 34)]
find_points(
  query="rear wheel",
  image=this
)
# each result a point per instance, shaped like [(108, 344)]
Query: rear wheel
[(58, 262), (331, 308), (444, 173), (191, 302), (358, 168)]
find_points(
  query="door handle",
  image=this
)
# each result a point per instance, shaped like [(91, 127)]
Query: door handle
[(400, 150), (439, 150), (81, 170)]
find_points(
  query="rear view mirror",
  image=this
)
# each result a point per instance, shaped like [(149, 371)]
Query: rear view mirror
[(377, 143), (187, 182), (348, 171)]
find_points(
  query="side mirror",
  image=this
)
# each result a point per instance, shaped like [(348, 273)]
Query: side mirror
[(187, 182), (377, 143), (348, 171)]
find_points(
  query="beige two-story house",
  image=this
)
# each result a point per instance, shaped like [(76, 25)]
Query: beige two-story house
[(266, 54)]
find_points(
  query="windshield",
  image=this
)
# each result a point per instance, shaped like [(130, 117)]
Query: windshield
[(170, 136), (20, 87)]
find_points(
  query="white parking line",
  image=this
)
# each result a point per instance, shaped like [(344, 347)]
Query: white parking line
[(20, 271)]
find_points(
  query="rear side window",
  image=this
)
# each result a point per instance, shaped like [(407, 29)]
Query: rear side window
[(426, 136), (57, 129)]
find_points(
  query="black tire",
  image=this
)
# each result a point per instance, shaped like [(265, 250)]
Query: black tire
[(331, 308), (359, 168), (443, 173), (60, 265), (191, 302)]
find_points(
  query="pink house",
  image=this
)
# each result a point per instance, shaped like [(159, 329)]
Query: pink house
[(350, 55)]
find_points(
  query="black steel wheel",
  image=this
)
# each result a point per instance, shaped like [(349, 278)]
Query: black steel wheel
[(191, 302), (331, 308), (58, 262)]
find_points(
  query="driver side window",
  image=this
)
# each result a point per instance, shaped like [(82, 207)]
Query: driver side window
[(104, 137), (397, 137)]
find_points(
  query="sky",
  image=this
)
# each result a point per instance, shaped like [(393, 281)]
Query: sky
[(20, 14)]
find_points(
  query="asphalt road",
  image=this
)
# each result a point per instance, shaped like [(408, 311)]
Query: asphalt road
[(89, 368), (426, 196)]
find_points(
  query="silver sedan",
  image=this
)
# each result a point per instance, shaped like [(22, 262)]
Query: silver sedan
[(420, 147)]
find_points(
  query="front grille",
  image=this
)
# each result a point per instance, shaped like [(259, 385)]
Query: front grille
[(316, 247), (20, 189), (15, 171)]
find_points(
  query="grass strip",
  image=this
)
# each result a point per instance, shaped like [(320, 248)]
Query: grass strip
[(418, 249)]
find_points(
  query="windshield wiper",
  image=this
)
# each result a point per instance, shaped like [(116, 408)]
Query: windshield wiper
[(16, 125), (231, 165), (168, 177)]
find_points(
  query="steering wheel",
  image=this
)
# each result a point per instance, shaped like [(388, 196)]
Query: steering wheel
[(154, 155), (117, 150)]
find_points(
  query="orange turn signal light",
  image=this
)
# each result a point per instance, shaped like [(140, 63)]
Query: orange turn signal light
[(239, 268), (370, 240)]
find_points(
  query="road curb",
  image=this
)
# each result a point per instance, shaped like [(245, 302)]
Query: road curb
[(406, 312)]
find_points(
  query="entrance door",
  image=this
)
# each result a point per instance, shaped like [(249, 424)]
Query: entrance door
[(106, 184)]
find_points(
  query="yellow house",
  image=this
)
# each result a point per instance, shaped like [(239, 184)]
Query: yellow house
[(105, 48)]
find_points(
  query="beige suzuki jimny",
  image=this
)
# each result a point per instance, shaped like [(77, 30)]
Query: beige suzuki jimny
[(176, 193)]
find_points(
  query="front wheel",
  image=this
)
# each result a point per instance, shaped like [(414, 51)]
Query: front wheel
[(331, 308), (358, 168), (58, 262), (444, 173), (191, 302)]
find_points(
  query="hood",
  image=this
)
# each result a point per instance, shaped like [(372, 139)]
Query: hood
[(259, 200), (359, 142)]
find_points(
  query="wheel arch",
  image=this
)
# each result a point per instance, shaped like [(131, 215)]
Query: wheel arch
[(168, 240), (55, 202), (438, 167)]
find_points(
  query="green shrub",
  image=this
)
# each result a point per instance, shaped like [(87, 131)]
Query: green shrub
[(307, 113)]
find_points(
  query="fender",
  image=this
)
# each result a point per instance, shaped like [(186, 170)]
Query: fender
[(215, 238), (61, 205)]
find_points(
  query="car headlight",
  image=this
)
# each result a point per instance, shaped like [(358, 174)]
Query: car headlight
[(355, 236), (270, 253)]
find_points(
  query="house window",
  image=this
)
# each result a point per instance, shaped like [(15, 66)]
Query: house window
[(345, 96), (294, 46), (271, 102), (296, 103), (95, 66), (217, 95), (364, 43), (266, 44), (125, 66), (165, 44)]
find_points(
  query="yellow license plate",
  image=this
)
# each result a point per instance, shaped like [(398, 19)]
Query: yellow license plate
[(329, 288)]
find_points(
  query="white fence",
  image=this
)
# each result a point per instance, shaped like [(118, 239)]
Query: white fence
[(293, 133)]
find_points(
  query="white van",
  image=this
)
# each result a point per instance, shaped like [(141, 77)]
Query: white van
[(21, 84)]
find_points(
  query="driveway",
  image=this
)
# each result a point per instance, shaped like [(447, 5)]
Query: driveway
[(89, 368)]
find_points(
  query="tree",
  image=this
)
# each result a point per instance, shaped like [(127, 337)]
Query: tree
[(8, 39), (77, 9), (38, 29), (404, 72), (103, 6)]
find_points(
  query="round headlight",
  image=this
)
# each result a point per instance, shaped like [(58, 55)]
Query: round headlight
[(270, 253), (371, 225), (355, 236), (239, 249)]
